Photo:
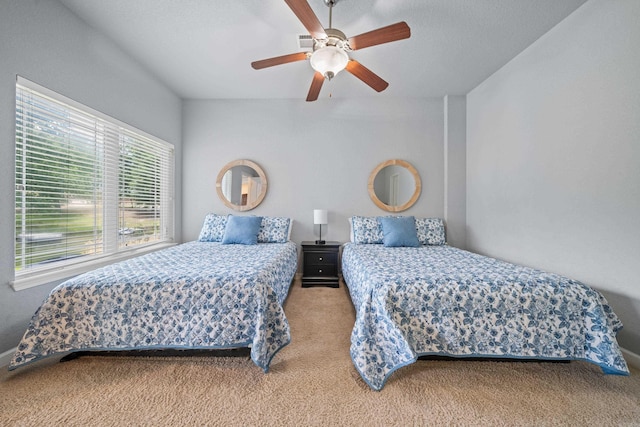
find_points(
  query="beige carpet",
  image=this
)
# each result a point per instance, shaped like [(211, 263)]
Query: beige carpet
[(312, 382)]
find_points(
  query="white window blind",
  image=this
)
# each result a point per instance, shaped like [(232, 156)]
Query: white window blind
[(89, 189)]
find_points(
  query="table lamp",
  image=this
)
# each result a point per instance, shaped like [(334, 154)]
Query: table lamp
[(320, 218)]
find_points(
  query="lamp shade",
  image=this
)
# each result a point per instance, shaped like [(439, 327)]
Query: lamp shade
[(329, 61), (320, 216)]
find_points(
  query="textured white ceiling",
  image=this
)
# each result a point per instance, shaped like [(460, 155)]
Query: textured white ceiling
[(204, 48)]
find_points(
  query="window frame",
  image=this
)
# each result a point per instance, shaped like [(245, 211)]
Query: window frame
[(110, 252)]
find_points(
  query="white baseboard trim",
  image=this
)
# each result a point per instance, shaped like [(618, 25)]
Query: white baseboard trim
[(631, 358), (5, 357)]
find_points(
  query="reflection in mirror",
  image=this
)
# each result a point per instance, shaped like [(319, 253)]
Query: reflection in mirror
[(394, 185), (241, 185)]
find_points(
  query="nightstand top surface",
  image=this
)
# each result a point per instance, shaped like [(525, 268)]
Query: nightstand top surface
[(327, 244)]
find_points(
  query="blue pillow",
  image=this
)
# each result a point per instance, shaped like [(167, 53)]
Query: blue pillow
[(399, 231), (242, 230)]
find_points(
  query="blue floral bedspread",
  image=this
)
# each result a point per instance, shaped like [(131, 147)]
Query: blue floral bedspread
[(439, 300), (198, 295)]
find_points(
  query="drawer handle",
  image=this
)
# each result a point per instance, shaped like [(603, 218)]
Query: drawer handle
[(320, 258), (319, 271)]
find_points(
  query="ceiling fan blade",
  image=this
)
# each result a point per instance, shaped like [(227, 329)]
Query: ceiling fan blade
[(309, 19), (316, 85), (284, 59), (382, 35), (366, 75)]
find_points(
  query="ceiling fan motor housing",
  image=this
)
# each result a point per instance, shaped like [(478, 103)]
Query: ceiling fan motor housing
[(334, 38)]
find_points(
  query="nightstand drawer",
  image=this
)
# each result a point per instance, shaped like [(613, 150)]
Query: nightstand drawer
[(320, 264), (320, 258), (320, 270)]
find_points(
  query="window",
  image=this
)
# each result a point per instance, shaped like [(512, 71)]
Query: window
[(89, 189)]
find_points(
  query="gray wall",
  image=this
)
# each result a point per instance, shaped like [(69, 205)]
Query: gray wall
[(44, 42), (455, 176), (553, 157), (315, 155)]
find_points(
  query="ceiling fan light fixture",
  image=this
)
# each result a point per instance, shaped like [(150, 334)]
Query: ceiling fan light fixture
[(329, 61)]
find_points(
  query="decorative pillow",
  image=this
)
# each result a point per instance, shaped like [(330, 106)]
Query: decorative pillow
[(213, 228), (366, 229), (242, 230), (431, 231), (399, 231), (274, 230), (351, 237)]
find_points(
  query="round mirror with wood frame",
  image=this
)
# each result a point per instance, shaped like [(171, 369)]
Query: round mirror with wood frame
[(241, 185), (390, 186)]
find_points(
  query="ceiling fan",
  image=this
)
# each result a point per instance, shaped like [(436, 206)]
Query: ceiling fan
[(331, 48)]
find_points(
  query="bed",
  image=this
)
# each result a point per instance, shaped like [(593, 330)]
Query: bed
[(430, 299), (206, 294)]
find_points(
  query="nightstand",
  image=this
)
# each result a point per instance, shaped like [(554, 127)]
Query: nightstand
[(320, 264)]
